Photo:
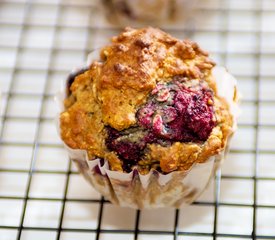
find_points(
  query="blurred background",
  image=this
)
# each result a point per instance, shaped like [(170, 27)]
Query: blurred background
[(41, 194)]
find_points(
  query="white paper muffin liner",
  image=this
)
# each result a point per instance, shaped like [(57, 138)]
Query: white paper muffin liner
[(153, 190)]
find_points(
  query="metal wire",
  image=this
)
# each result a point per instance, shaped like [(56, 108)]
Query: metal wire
[(94, 31)]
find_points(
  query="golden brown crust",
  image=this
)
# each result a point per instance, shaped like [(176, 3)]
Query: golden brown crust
[(135, 62), (81, 123), (110, 93)]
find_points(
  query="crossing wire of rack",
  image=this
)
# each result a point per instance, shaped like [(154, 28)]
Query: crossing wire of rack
[(41, 194)]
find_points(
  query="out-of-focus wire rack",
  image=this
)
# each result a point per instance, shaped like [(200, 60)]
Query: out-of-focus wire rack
[(41, 194)]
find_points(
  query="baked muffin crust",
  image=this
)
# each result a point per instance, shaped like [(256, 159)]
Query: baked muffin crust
[(110, 93)]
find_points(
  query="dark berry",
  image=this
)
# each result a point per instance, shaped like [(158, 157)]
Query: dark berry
[(187, 116), (127, 148), (145, 115), (177, 111)]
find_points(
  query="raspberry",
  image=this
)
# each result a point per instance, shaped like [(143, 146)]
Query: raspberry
[(145, 115), (177, 111), (129, 151), (188, 117)]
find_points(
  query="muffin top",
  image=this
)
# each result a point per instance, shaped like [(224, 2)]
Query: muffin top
[(150, 102)]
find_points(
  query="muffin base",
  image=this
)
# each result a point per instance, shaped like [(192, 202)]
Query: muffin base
[(153, 190)]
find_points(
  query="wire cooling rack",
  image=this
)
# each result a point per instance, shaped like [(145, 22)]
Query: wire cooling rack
[(41, 194)]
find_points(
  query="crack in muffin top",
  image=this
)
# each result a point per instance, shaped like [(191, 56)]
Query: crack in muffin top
[(148, 85)]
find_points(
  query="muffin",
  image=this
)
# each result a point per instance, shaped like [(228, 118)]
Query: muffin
[(139, 12), (149, 122)]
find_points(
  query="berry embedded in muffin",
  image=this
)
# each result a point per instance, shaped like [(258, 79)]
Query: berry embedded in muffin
[(173, 112), (151, 102), (178, 112)]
